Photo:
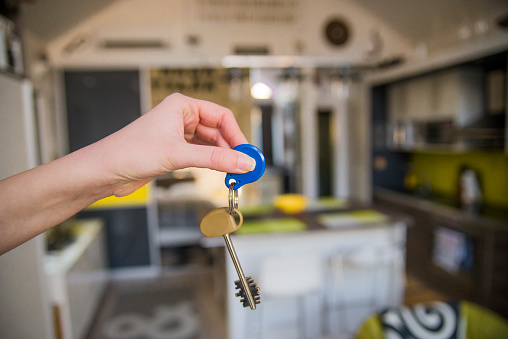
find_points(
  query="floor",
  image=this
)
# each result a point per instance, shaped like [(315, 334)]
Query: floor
[(417, 292), (173, 305), (147, 308)]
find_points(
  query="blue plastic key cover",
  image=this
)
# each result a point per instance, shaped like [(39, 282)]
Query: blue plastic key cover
[(249, 177)]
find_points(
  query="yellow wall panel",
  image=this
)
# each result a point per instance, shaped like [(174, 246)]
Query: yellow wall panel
[(442, 172), (138, 198)]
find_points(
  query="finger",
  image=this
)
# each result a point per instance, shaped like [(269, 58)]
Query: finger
[(197, 140), (216, 158), (216, 116), (212, 135)]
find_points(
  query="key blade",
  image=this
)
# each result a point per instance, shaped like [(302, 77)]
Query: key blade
[(243, 285)]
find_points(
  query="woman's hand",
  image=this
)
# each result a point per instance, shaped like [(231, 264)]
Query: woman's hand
[(180, 132)]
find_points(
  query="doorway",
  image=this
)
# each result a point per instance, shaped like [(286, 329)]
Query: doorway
[(325, 153)]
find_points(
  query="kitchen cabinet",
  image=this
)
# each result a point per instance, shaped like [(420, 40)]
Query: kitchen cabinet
[(419, 99), (409, 100), (397, 102), (446, 94), (498, 294), (127, 235), (459, 95), (454, 107), (99, 103), (455, 94), (76, 279), (483, 240)]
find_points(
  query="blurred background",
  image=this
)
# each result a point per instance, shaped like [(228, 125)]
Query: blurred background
[(383, 125)]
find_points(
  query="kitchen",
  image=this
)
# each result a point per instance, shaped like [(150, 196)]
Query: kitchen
[(371, 118)]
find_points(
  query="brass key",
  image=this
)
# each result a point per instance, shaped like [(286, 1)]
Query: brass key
[(221, 222)]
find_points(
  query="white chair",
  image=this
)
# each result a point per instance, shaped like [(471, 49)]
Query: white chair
[(285, 280), (362, 282)]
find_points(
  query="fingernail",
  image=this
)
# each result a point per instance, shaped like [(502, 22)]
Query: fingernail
[(245, 163)]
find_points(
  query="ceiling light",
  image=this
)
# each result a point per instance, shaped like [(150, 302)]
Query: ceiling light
[(261, 91)]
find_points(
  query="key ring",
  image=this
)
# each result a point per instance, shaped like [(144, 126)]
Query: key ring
[(233, 198)]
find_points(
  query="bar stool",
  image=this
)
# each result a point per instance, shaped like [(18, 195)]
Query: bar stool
[(286, 277), (362, 281)]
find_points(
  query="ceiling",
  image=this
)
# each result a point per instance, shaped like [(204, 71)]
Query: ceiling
[(415, 19), (423, 20), (51, 18)]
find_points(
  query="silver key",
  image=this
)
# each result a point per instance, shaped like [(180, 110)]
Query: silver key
[(221, 221), (248, 290)]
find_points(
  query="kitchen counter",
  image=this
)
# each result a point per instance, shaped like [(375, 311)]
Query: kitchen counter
[(486, 216), (76, 278), (461, 253), (332, 215), (368, 246)]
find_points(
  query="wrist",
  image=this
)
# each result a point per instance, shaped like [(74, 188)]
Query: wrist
[(113, 168), (88, 171)]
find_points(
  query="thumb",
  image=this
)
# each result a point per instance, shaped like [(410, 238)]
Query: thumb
[(216, 158)]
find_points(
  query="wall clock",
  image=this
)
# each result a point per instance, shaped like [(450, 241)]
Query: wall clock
[(336, 32)]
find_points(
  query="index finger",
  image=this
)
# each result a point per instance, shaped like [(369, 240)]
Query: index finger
[(216, 116)]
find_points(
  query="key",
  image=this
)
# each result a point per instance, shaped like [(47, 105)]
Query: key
[(221, 222)]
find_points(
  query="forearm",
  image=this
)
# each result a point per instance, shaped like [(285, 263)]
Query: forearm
[(38, 199)]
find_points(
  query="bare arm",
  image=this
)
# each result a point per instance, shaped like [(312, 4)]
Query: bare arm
[(179, 132)]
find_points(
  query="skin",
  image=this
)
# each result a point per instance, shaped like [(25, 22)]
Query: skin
[(180, 132)]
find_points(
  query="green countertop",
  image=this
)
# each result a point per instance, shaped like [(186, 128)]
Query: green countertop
[(272, 225), (352, 218), (266, 219)]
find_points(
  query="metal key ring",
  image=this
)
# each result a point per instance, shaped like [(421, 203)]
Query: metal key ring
[(240, 217), (233, 198)]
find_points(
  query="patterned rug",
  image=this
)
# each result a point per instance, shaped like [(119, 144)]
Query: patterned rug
[(172, 307)]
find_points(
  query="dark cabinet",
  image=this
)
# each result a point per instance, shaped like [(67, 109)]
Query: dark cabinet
[(497, 272), (481, 277), (99, 103), (127, 237), (419, 240)]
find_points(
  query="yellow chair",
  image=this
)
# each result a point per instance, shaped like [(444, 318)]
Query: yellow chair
[(472, 321)]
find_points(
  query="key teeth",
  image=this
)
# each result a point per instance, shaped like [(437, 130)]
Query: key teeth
[(245, 302), (254, 290)]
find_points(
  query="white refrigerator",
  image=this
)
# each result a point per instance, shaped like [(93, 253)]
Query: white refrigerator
[(25, 311)]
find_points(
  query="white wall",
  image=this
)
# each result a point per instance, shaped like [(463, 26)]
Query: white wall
[(172, 21)]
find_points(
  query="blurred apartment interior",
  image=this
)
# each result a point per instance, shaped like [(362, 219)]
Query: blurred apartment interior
[(383, 126)]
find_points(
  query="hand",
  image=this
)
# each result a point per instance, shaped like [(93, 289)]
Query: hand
[(180, 132)]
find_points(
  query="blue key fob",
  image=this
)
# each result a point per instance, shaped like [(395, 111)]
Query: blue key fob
[(246, 178)]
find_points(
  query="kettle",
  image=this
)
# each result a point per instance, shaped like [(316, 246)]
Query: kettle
[(470, 194)]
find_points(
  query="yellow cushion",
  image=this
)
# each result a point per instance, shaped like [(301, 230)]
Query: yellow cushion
[(482, 322), (477, 321)]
